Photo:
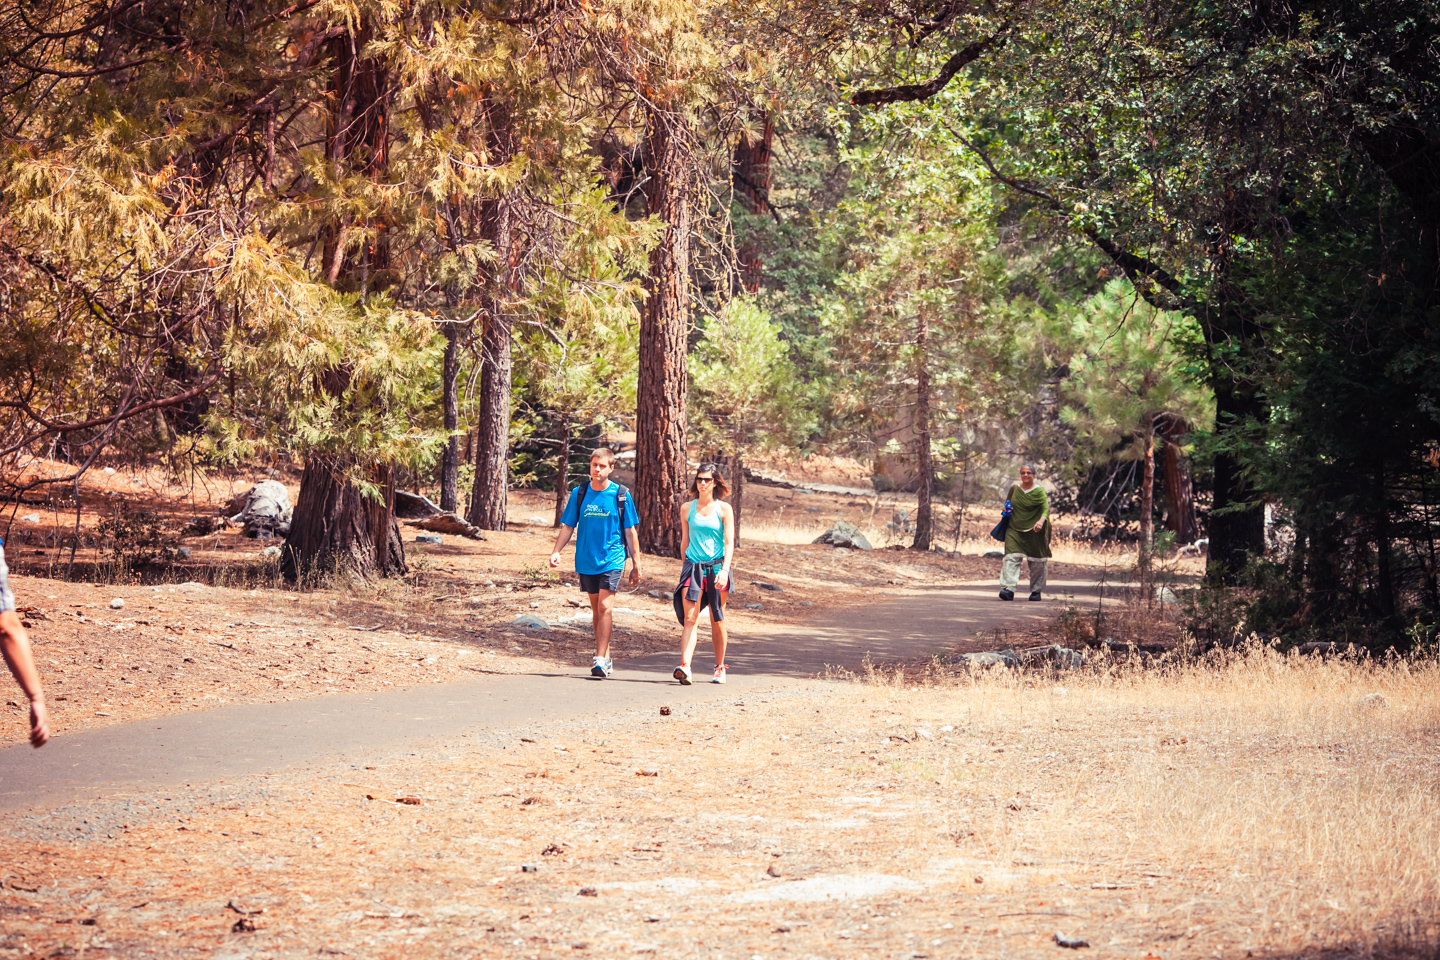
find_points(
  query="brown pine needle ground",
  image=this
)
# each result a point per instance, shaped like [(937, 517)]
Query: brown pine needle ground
[(1268, 806)]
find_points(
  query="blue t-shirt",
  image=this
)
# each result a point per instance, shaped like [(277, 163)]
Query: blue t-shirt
[(598, 544)]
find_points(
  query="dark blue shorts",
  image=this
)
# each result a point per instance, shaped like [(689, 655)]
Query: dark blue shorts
[(595, 582)]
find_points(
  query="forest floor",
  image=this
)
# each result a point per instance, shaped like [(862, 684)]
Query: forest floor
[(1264, 806)]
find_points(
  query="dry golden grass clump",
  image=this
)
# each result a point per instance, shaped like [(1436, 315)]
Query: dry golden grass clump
[(1267, 805)]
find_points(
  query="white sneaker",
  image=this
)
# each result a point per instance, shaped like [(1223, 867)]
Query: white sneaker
[(719, 674), (601, 667), (682, 673)]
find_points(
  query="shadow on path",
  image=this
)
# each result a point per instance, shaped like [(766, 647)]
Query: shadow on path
[(244, 739)]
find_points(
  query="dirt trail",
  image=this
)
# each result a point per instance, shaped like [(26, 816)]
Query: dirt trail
[(243, 739)]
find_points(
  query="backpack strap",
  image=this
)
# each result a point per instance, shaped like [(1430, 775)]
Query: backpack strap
[(621, 497)]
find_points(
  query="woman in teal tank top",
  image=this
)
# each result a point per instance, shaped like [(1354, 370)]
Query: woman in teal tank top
[(707, 538)]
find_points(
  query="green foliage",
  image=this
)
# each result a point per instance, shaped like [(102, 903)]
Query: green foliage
[(1126, 364), (744, 390)]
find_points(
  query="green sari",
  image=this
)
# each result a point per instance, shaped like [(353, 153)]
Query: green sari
[(1028, 507)]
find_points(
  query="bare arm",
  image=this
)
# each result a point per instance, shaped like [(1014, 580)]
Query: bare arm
[(634, 541), (15, 645), (727, 519), (561, 538)]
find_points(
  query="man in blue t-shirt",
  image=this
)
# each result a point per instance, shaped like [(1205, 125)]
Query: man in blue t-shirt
[(601, 535)]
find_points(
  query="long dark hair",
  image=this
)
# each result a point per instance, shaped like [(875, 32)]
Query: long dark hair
[(722, 489)]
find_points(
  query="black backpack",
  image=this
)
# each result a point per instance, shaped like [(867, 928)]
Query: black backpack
[(621, 496)]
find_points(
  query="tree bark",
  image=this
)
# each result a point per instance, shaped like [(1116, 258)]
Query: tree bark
[(450, 397), (1237, 519), (924, 463), (489, 497), (660, 462), (335, 529), (734, 471), (1147, 507), (562, 472), (751, 176), (1179, 489)]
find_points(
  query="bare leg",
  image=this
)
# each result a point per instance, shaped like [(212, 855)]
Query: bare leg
[(687, 635), (718, 638), (602, 606)]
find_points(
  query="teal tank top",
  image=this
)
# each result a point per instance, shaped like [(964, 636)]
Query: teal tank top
[(707, 536)]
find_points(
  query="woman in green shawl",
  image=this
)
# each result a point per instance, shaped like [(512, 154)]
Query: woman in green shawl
[(1027, 537)]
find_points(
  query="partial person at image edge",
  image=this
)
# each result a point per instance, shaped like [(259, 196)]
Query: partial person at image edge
[(15, 645)]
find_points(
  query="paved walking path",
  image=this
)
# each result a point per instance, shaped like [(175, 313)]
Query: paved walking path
[(243, 739)]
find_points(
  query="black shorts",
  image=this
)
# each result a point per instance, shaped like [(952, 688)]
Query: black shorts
[(595, 582)]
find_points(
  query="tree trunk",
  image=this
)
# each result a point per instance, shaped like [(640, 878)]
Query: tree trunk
[(660, 462), (1147, 506), (489, 497), (1179, 489), (751, 176), (1380, 510), (734, 469), (924, 463), (562, 472), (1237, 519), (450, 392), (335, 529)]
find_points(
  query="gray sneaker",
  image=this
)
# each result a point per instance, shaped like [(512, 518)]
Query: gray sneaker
[(601, 667)]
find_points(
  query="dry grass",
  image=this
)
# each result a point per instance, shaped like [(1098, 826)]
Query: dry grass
[(1252, 807)]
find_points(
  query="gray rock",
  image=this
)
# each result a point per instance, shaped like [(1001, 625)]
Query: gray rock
[(1317, 646), (537, 521), (1373, 701), (1062, 658), (994, 554), (265, 511), (1166, 595), (844, 534), (754, 606), (117, 604), (30, 518), (659, 594), (530, 620), (1070, 943), (270, 553), (766, 586), (429, 538), (990, 658), (924, 734), (805, 603), (183, 553), (842, 551)]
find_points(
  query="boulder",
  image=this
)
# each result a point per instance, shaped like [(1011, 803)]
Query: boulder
[(266, 511), (1062, 658), (844, 534), (990, 658), (531, 621), (994, 554), (432, 538)]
